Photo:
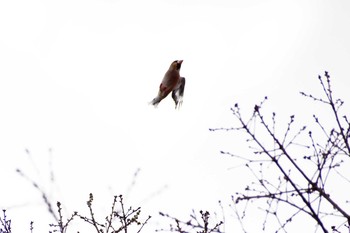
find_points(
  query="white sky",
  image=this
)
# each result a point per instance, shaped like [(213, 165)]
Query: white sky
[(77, 76)]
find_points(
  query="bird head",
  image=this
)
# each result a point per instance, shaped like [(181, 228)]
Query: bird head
[(176, 65)]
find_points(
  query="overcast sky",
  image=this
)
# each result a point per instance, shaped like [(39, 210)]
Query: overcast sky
[(76, 77)]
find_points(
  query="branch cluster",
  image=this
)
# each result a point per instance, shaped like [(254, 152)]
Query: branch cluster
[(195, 223), (125, 217), (303, 164), (5, 223)]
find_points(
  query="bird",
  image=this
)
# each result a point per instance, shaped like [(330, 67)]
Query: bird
[(172, 82)]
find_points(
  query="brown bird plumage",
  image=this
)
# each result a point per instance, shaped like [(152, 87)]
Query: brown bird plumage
[(172, 82)]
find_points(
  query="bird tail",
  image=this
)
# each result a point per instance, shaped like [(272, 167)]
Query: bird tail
[(155, 101)]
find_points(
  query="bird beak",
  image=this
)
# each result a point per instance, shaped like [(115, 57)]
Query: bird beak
[(180, 61)]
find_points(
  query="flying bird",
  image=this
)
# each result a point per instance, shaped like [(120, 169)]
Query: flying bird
[(172, 82)]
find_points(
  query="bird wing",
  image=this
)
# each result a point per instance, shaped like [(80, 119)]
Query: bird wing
[(178, 92)]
